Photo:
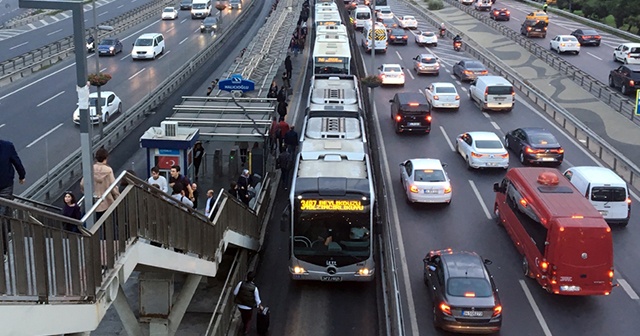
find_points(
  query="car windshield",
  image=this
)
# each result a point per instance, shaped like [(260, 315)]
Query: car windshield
[(474, 65), (409, 18), (397, 32), (429, 60), (569, 39), (392, 69), (209, 21), (446, 89), (108, 42), (488, 144), (144, 42), (428, 34), (469, 287), (542, 139), (363, 16), (385, 11), (499, 90), (429, 175), (93, 100), (608, 194), (199, 6), (589, 32), (635, 50), (168, 10)]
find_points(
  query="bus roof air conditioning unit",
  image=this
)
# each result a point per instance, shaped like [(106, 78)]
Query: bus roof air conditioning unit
[(170, 128)]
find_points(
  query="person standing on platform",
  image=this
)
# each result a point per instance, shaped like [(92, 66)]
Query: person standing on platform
[(247, 297), (198, 155), (176, 177), (208, 207), (281, 129), (103, 178), (158, 179), (291, 140), (288, 66), (71, 209)]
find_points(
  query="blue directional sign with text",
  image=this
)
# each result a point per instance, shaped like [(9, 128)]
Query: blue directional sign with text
[(236, 83), (637, 102)]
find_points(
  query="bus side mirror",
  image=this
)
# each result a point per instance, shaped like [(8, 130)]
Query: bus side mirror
[(498, 188)]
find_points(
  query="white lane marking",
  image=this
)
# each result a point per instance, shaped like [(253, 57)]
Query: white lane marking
[(1, 126), (170, 29), (44, 22), (184, 40), (139, 30), (183, 21), (101, 14), (410, 74), (627, 288), (137, 73), (50, 99), (446, 137), (396, 221), (397, 53), (495, 125), (120, 6), (479, 197), (594, 56), (103, 69), (536, 310), (32, 26), (165, 53), (53, 32), (18, 46), (44, 135), (124, 57), (486, 115)]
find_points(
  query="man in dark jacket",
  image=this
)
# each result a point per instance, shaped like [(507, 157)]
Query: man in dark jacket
[(9, 164), (284, 162), (244, 182), (291, 140), (288, 66), (247, 297)]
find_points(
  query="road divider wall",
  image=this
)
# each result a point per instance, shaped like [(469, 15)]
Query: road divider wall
[(44, 57), (585, 136), (69, 170)]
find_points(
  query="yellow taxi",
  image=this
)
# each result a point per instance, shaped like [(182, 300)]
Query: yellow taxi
[(538, 15)]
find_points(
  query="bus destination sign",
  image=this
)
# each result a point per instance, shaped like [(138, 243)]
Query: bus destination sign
[(329, 60), (331, 205)]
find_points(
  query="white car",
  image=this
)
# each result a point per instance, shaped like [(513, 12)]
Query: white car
[(384, 12), (627, 53), (425, 181), (391, 74), (169, 13), (110, 104), (408, 22), (466, 2), (565, 43), (482, 150), (426, 38), (442, 95)]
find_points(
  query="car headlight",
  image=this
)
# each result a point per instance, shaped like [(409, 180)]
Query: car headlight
[(214, 26), (111, 48), (201, 26)]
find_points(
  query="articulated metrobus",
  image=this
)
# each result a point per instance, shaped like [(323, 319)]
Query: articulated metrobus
[(335, 93), (332, 201), (331, 55)]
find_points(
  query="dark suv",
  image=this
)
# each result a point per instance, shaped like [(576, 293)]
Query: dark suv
[(531, 28), (410, 112), (500, 14), (465, 297), (626, 77)]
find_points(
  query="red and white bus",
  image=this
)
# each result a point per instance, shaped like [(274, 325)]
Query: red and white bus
[(565, 243)]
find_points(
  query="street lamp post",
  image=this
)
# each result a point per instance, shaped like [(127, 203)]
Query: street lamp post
[(373, 47), (97, 27), (77, 8)]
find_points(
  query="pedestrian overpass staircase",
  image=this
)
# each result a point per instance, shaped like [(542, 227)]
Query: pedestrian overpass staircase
[(56, 281)]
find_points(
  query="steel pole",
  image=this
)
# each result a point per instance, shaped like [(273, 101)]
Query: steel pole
[(95, 54), (373, 50)]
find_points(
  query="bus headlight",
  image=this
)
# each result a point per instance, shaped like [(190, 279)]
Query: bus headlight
[(298, 270), (364, 271)]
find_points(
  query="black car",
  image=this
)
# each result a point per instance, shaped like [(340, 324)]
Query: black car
[(109, 46), (531, 28), (626, 77), (464, 295), (535, 145), (500, 14), (389, 24), (185, 4), (587, 37), (398, 36), (209, 24), (410, 112), (468, 70)]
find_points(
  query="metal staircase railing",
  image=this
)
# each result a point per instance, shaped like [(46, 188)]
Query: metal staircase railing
[(47, 263)]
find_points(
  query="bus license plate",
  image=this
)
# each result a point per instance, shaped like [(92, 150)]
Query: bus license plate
[(332, 278), (472, 313)]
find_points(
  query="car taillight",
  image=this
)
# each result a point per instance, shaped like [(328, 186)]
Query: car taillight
[(398, 117), (628, 200), (405, 37), (560, 151), (508, 12), (402, 74), (611, 274), (632, 83), (544, 265), (562, 44), (586, 37), (428, 118), (467, 72), (476, 155), (504, 156), (530, 150), (445, 308), (447, 189), (457, 97), (497, 310), (382, 76), (484, 72), (413, 189), (436, 98), (392, 37), (528, 28)]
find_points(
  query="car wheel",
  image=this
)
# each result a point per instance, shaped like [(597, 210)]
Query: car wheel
[(615, 59), (436, 324), (506, 143), (611, 83), (106, 118), (496, 214), (522, 160), (435, 44), (119, 108), (624, 89), (525, 267), (154, 55), (469, 163), (550, 47), (425, 278), (577, 52), (625, 61)]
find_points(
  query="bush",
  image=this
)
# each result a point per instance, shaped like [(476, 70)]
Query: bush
[(435, 4)]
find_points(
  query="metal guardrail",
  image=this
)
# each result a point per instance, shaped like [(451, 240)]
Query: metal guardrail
[(628, 170), (586, 21), (387, 266), (49, 264), (35, 60), (602, 91), (69, 170)]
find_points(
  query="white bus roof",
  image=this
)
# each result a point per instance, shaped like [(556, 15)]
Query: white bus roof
[(332, 165), (332, 29), (328, 17), (332, 46), (341, 90)]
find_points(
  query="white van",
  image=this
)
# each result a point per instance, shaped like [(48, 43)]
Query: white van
[(360, 16), (380, 33), (237, 4), (607, 191), (148, 45), (200, 9), (493, 93)]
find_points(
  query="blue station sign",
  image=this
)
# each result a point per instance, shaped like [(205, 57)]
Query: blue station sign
[(236, 83)]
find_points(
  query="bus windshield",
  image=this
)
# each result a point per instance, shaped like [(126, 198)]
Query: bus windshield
[(331, 234), (331, 68)]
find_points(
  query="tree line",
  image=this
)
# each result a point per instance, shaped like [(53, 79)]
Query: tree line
[(626, 13)]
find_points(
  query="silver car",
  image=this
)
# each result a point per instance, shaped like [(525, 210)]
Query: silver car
[(425, 181), (482, 150), (426, 64)]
